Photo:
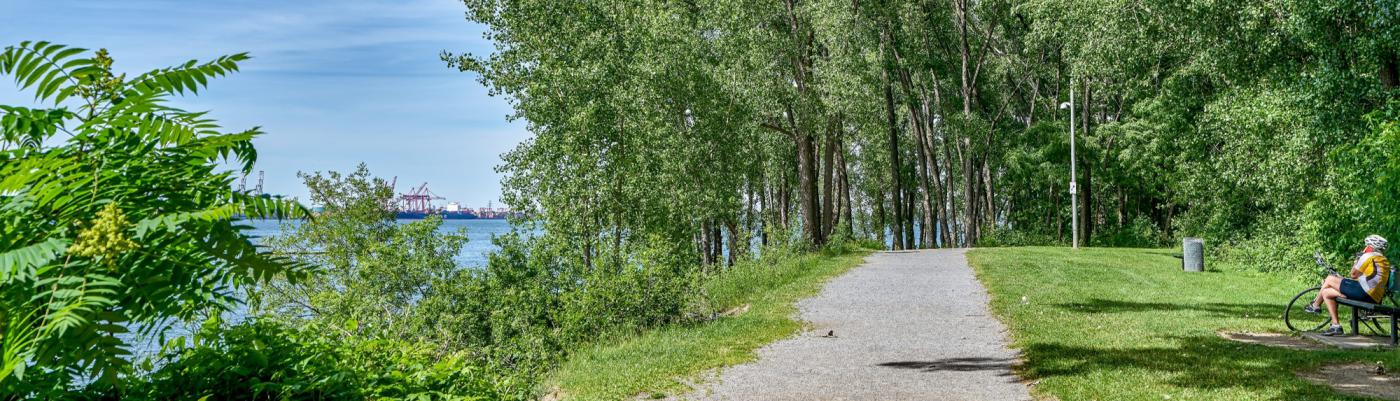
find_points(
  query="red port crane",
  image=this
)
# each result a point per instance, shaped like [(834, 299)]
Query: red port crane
[(418, 199)]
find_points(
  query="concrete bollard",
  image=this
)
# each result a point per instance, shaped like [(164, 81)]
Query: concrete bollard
[(1193, 254)]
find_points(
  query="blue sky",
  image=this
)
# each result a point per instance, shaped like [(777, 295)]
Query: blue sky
[(333, 83)]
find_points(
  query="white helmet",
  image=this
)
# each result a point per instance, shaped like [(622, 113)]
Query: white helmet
[(1376, 242)]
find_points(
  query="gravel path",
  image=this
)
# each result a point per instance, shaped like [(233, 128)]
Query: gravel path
[(908, 326)]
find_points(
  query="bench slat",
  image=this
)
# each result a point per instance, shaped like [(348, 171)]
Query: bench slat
[(1368, 306)]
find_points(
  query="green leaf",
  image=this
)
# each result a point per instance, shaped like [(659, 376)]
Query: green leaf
[(20, 264)]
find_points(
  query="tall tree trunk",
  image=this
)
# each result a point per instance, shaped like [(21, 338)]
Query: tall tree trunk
[(1086, 204), (828, 175), (880, 217), (969, 193), (764, 214), (1086, 216), (933, 186), (837, 201), (929, 130), (706, 254), (909, 240), (735, 247), (749, 221), (895, 187), (991, 195), (807, 189), (717, 241), (971, 67), (921, 151), (784, 204), (846, 206), (806, 146), (1122, 204), (953, 231)]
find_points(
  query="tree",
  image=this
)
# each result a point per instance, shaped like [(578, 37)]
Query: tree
[(115, 214), (372, 270)]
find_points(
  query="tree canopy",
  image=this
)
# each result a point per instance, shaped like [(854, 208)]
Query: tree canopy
[(938, 122)]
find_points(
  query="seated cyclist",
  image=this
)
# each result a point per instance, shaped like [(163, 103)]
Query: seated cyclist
[(1367, 282)]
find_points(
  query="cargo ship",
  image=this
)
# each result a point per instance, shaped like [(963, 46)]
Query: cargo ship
[(453, 211), (418, 204)]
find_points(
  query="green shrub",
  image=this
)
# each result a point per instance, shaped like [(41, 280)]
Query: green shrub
[(650, 289), (1141, 232), (867, 243), (1277, 244), (1000, 237), (542, 298), (266, 360)]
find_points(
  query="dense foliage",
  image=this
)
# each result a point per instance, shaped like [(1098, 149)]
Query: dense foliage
[(266, 360), (115, 215), (375, 272), (672, 141), (715, 121), (504, 324)]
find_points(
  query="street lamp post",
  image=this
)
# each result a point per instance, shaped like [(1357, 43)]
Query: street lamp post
[(1073, 197)]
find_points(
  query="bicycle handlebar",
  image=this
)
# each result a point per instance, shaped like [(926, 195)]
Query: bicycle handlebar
[(1317, 256)]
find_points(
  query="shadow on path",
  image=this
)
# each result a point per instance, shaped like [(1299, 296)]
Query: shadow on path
[(971, 364)]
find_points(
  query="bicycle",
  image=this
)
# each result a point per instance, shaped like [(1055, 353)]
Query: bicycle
[(1300, 320)]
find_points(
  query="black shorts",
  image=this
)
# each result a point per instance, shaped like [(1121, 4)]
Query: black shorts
[(1352, 290)]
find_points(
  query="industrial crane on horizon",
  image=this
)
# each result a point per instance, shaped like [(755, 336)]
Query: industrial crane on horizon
[(418, 199)]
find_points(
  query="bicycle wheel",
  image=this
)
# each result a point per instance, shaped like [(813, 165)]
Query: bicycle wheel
[(1299, 320)]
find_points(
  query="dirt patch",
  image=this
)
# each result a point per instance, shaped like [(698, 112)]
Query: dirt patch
[(1273, 340), (1359, 379), (1351, 341), (736, 311), (554, 394)]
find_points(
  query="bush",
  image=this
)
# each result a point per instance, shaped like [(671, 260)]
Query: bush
[(1278, 244), (650, 289), (543, 298), (867, 243), (1000, 237), (266, 360), (1141, 232)]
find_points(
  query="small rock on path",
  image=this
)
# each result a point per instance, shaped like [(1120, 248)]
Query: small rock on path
[(910, 325)]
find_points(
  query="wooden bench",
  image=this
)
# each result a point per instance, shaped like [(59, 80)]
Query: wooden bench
[(1378, 309)]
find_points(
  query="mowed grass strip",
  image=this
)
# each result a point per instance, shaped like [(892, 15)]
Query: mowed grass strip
[(1128, 324), (660, 362)]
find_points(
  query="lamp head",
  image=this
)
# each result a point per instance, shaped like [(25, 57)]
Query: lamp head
[(1064, 105)]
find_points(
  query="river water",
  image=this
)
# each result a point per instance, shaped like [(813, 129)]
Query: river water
[(479, 233)]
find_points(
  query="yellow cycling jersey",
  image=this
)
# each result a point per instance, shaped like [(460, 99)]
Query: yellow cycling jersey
[(1375, 274)]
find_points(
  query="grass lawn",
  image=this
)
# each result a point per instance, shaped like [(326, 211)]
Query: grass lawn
[(657, 361), (1128, 324)]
